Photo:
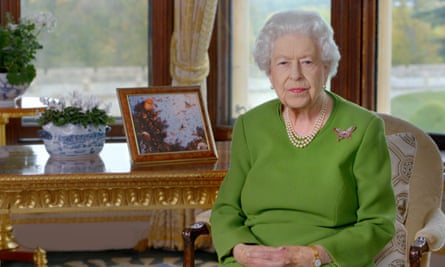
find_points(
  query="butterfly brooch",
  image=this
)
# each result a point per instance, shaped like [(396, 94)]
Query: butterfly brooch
[(343, 134)]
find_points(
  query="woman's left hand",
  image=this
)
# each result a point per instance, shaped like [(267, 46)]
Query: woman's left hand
[(298, 256), (259, 255)]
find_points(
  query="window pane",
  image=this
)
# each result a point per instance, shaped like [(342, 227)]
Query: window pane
[(96, 47), (418, 63), (250, 86)]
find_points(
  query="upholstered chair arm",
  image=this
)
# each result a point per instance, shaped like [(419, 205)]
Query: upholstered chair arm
[(434, 230), (429, 238), (189, 236)]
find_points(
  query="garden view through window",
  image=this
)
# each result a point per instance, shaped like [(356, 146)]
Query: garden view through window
[(250, 86), (95, 50), (417, 73), (96, 47), (418, 63)]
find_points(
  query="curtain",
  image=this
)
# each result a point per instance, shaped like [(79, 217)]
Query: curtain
[(193, 25), (189, 65), (165, 228)]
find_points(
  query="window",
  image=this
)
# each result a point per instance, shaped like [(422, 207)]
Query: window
[(354, 81), (250, 86), (410, 78), (96, 47), (418, 63), (355, 35), (86, 52)]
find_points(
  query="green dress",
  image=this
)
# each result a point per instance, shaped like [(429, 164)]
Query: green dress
[(335, 192)]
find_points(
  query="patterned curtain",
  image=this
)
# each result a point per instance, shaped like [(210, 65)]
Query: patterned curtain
[(165, 228), (193, 25), (189, 65)]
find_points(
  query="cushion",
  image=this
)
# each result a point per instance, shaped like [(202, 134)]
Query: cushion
[(402, 151), (394, 253), (402, 148)]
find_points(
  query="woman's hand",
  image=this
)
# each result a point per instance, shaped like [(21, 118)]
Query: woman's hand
[(289, 256)]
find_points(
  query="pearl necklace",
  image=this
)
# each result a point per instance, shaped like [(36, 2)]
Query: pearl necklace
[(302, 141)]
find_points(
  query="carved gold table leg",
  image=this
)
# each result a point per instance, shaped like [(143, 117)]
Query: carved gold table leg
[(4, 119), (6, 237), (8, 113), (40, 258), (9, 248)]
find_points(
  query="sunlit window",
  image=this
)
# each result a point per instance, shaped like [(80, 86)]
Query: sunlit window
[(417, 72), (250, 87), (96, 47)]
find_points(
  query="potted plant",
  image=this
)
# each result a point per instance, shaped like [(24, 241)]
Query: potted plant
[(74, 130), (18, 47)]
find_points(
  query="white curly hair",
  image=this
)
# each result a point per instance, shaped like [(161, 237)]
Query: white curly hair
[(297, 21)]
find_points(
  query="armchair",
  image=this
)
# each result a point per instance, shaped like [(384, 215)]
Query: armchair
[(423, 221)]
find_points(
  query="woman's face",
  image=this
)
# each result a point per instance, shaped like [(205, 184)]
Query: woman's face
[(296, 72)]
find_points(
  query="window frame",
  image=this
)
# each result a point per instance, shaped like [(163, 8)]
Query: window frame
[(356, 79), (357, 74)]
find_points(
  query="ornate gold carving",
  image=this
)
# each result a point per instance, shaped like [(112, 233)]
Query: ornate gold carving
[(32, 191), (7, 113), (40, 258), (149, 190), (94, 218), (104, 199), (6, 237)]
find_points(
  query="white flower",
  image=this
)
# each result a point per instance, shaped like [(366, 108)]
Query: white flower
[(12, 26), (108, 108), (42, 20), (90, 103), (82, 110), (53, 103), (76, 100), (79, 101)]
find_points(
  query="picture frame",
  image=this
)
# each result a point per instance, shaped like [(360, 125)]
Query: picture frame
[(166, 125)]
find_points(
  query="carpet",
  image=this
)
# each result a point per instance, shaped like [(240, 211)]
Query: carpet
[(120, 258)]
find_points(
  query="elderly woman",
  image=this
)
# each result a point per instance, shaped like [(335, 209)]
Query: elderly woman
[(310, 179)]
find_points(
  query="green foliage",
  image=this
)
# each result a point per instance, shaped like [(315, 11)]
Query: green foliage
[(426, 114), (418, 32), (82, 111), (431, 13), (409, 36), (430, 116), (18, 46), (75, 115)]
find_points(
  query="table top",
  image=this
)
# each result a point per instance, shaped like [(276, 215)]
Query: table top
[(114, 158), (35, 160), (31, 181)]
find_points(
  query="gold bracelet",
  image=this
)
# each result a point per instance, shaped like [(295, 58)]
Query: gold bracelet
[(317, 261)]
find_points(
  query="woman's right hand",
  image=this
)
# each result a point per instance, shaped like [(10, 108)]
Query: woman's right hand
[(289, 256), (259, 256)]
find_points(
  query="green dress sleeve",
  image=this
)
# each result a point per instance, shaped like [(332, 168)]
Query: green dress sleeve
[(358, 244), (227, 218)]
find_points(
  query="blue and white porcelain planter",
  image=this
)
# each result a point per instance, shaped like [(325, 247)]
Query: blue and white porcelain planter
[(9, 93), (71, 140)]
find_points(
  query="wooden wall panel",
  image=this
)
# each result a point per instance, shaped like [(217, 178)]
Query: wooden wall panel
[(356, 34)]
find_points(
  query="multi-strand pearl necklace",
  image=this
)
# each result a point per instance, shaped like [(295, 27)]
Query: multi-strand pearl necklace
[(303, 141)]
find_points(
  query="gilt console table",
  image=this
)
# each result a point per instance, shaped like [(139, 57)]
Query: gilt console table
[(14, 112), (32, 183)]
